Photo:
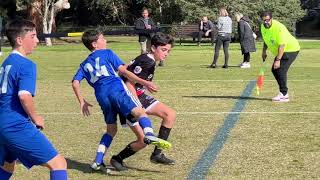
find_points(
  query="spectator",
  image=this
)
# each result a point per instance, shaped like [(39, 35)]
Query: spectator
[(283, 46), (247, 41), (224, 38), (207, 29), (145, 23)]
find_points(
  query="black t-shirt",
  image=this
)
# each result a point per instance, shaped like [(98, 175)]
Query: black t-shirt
[(142, 66)]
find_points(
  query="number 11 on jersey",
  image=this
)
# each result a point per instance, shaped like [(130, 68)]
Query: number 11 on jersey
[(4, 71)]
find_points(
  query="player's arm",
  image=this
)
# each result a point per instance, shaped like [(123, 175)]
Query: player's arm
[(27, 103), (84, 105), (135, 79), (27, 88), (130, 86)]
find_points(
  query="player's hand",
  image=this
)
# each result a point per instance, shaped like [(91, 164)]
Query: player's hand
[(276, 64), (85, 108), (207, 33), (151, 87), (38, 121), (264, 56), (148, 26)]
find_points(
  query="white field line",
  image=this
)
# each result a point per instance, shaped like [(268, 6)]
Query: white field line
[(230, 80), (215, 80), (200, 113)]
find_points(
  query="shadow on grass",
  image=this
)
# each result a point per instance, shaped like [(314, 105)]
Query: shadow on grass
[(218, 67), (85, 168), (229, 97)]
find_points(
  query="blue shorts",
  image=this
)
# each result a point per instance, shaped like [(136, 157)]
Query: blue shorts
[(117, 99), (26, 143)]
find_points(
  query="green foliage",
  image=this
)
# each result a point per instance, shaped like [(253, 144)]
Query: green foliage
[(106, 12)]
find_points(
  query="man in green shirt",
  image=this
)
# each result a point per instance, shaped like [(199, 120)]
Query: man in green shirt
[(283, 46)]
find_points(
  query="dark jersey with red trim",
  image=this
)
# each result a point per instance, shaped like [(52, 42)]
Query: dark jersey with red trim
[(142, 66)]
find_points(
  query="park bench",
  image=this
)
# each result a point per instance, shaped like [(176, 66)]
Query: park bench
[(185, 31)]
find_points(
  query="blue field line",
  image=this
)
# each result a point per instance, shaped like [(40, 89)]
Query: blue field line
[(208, 158)]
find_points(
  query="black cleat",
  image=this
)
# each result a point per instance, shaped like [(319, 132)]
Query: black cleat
[(225, 66), (161, 159), (97, 167), (118, 165)]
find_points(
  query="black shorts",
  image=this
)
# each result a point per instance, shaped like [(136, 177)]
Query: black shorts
[(147, 101)]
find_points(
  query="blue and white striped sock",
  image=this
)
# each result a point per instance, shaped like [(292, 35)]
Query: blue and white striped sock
[(146, 125), (103, 146)]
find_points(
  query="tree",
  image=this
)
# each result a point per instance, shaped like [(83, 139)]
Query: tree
[(43, 13)]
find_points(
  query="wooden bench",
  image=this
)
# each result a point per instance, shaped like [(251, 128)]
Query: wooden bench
[(190, 30)]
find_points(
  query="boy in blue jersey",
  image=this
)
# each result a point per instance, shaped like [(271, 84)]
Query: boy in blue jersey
[(19, 136), (100, 70)]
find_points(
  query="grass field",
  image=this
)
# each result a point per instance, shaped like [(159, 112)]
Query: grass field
[(267, 141)]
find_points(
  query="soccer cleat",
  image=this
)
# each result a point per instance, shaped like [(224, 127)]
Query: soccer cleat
[(281, 98), (160, 143), (97, 167), (161, 159), (225, 66), (118, 165)]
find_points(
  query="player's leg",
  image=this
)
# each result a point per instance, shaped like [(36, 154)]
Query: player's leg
[(58, 168), (7, 170), (168, 117), (7, 161), (103, 146), (32, 148), (110, 118), (133, 147)]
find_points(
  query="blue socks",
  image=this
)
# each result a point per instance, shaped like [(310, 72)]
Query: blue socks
[(104, 144), (4, 175), (58, 175), (146, 125)]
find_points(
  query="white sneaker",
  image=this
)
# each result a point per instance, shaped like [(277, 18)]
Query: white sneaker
[(245, 65), (1, 53), (281, 98)]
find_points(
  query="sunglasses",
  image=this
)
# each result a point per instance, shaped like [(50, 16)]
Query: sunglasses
[(266, 20)]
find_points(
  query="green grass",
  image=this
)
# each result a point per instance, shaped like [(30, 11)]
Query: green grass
[(270, 141)]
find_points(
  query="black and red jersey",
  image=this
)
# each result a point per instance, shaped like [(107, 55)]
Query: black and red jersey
[(142, 66)]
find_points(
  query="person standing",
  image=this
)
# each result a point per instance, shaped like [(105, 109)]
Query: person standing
[(247, 41), (145, 23), (206, 28), (224, 37), (283, 46)]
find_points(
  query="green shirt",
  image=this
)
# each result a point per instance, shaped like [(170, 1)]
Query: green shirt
[(278, 34)]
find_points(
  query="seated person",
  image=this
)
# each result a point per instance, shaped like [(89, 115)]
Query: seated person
[(207, 29)]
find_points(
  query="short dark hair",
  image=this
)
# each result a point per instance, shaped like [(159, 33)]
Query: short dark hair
[(16, 28), (161, 39), (145, 9), (266, 13), (90, 36)]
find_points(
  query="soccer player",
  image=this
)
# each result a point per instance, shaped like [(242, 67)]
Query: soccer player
[(19, 136), (144, 66), (100, 70)]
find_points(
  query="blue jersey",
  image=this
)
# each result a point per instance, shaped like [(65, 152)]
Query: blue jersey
[(99, 69), (17, 76)]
